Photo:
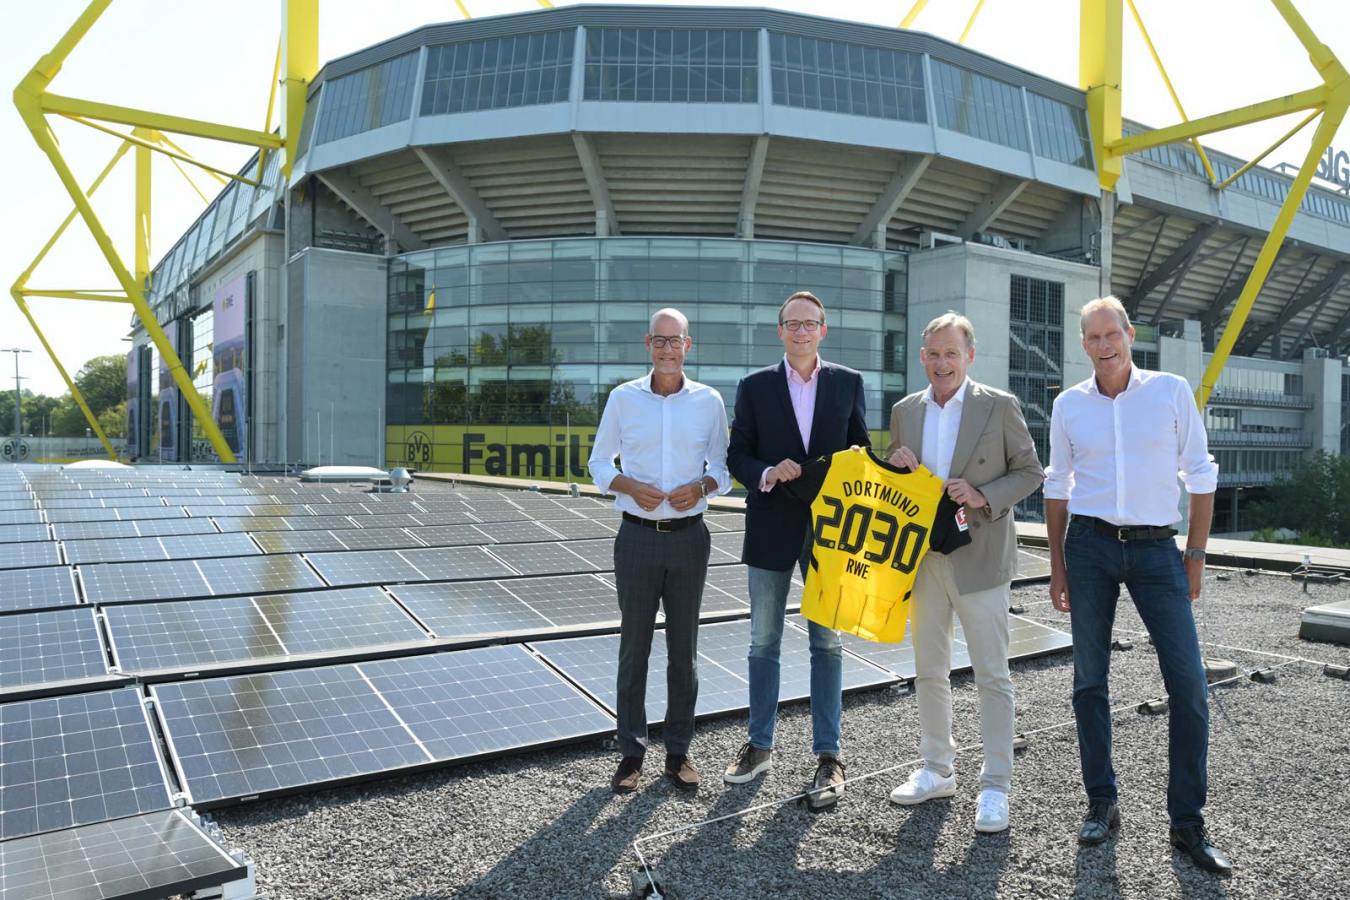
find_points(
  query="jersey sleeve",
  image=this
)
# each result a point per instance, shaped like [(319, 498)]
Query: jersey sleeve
[(807, 486), (950, 531)]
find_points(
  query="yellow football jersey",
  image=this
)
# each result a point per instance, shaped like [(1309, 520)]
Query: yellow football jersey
[(872, 524)]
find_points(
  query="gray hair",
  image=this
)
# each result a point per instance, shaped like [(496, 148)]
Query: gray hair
[(1101, 303), (671, 313), (951, 319)]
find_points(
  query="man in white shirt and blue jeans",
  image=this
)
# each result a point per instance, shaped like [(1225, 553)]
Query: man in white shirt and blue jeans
[(670, 435), (1118, 442)]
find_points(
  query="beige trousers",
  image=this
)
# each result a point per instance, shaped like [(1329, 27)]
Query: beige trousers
[(984, 619)]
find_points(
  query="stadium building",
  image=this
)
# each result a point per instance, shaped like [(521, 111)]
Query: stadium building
[(483, 214)]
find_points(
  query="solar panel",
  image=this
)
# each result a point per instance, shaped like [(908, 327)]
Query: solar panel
[(449, 535), (487, 700), (77, 759), (1027, 638), (250, 523), (296, 541), (599, 552), (29, 555), (250, 735), (258, 574), (496, 513), (720, 522), (19, 503), (391, 520), (188, 634), (377, 539), (517, 532), (726, 548), (21, 517), (101, 550), (156, 854), (1032, 565), (44, 648), (364, 567), (121, 582), (37, 588), (544, 559), (593, 664), (577, 528), (455, 563), (14, 533), (569, 601), (470, 609), (338, 620), (197, 546), (446, 517), (73, 531)]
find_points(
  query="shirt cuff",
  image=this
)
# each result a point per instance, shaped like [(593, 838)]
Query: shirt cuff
[(764, 475)]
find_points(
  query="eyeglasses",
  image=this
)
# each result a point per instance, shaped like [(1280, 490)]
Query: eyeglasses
[(801, 324), (661, 342)]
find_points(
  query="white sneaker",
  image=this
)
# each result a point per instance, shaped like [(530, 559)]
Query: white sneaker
[(991, 812), (924, 784)]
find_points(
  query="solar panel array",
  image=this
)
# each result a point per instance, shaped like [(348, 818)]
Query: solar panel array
[(273, 636)]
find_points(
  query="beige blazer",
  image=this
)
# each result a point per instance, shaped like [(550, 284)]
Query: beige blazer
[(995, 453)]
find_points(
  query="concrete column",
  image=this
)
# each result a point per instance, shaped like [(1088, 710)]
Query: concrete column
[(1322, 383)]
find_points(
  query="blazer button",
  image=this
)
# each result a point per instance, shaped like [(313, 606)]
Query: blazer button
[(981, 460)]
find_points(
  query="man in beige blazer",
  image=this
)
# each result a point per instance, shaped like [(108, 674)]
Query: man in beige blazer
[(975, 438)]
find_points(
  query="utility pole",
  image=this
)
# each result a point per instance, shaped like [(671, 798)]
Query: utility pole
[(18, 395)]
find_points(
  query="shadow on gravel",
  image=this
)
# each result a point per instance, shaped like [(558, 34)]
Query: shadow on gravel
[(1094, 872), (1193, 883), (574, 853)]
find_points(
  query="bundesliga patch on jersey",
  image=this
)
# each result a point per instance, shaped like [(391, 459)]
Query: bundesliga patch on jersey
[(961, 523)]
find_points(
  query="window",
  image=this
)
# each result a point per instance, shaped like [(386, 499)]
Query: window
[(979, 106), (370, 98), (833, 76), (1036, 363), (672, 65), (1061, 131), (498, 73)]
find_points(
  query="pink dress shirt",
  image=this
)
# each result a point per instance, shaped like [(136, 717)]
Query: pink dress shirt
[(802, 392)]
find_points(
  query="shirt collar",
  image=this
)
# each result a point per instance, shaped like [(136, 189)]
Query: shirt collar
[(646, 384), (958, 398), (1135, 379), (792, 373)]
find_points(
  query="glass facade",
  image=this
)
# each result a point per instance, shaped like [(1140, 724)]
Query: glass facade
[(509, 340), (1036, 363), (369, 98), (979, 106), (673, 65), (198, 362), (1345, 414), (813, 73), (498, 73), (1060, 131)]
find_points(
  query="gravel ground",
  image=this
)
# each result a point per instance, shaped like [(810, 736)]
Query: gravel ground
[(544, 824)]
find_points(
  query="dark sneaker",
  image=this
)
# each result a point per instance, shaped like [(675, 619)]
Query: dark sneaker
[(751, 762), (681, 772), (1194, 842), (829, 782), (1102, 818), (625, 779)]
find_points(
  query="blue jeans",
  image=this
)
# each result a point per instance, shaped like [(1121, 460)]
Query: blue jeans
[(1153, 573), (768, 603)]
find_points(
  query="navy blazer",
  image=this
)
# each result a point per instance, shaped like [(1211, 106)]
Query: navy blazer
[(764, 432)]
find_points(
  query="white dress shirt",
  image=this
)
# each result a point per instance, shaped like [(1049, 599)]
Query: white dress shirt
[(940, 425), (1119, 459), (662, 441), (802, 393)]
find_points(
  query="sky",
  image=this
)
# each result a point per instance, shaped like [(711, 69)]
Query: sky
[(185, 57)]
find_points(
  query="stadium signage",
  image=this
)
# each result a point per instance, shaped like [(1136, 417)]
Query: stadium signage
[(1335, 167)]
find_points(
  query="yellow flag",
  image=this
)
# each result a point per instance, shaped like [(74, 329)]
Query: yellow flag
[(431, 302)]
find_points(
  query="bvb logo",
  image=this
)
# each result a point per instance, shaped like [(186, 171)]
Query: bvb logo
[(419, 448)]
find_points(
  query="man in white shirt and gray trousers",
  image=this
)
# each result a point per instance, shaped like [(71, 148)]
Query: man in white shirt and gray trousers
[(1118, 442), (670, 435)]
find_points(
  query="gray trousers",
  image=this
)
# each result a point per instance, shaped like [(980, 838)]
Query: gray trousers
[(659, 570)]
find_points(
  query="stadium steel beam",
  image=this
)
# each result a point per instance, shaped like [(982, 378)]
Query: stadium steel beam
[(1190, 264), (481, 220), (606, 222), (34, 103), (1176, 261), (371, 209), (1334, 336), (1005, 191), (873, 225), (1301, 340), (754, 175), (1210, 316), (1100, 70), (1297, 303)]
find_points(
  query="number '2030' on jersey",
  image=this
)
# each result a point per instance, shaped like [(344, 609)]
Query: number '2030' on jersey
[(872, 523)]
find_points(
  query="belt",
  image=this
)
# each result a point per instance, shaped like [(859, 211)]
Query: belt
[(1124, 533), (663, 525)]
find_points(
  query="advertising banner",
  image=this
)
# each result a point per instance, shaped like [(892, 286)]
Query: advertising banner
[(168, 403), (133, 403), (228, 384)]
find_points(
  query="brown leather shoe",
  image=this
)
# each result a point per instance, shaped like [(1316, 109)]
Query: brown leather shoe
[(625, 779), (680, 771)]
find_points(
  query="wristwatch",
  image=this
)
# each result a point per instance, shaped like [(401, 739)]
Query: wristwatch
[(1193, 553)]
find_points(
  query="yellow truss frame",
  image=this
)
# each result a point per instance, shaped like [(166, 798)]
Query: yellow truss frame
[(297, 62), (1099, 73)]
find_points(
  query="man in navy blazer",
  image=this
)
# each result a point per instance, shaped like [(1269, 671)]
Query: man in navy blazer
[(799, 409)]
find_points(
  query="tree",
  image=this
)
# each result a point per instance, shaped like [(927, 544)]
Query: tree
[(103, 382), (113, 420), (1314, 501)]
